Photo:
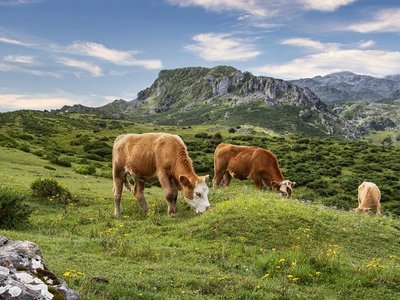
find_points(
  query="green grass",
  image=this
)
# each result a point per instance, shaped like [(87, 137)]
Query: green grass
[(326, 170), (251, 245)]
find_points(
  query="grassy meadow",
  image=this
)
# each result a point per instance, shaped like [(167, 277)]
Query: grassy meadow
[(250, 245)]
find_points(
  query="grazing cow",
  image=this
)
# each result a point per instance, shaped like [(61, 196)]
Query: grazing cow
[(248, 162), (369, 197), (159, 156)]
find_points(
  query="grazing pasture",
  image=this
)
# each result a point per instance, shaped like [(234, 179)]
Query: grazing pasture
[(250, 245), (326, 171)]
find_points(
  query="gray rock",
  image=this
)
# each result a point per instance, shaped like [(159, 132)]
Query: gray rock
[(24, 274)]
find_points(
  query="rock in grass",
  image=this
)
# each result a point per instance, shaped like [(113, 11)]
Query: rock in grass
[(24, 274)]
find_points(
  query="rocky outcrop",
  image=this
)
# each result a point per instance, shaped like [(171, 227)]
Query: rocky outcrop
[(190, 95), (24, 274), (346, 86)]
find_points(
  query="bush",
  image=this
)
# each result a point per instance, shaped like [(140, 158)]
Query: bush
[(85, 169), (63, 161), (13, 212), (50, 189), (24, 147)]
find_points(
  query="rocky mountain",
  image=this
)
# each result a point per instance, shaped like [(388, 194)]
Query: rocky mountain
[(372, 116), (347, 86), (225, 95)]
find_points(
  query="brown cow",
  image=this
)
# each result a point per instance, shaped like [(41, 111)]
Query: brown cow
[(369, 197), (157, 155), (249, 162)]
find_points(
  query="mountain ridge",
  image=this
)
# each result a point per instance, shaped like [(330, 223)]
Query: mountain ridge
[(348, 86), (226, 95)]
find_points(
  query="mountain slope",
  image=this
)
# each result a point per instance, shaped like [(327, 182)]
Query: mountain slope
[(251, 245), (345, 86), (225, 95)]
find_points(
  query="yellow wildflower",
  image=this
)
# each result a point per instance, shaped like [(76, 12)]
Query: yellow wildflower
[(265, 276)]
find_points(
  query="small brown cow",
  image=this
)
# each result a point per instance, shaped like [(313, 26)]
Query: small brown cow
[(249, 162), (369, 197), (159, 156)]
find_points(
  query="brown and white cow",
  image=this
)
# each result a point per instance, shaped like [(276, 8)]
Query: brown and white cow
[(159, 156), (369, 197), (249, 162)]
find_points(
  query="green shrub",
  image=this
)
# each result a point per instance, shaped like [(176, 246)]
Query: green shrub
[(61, 160), (13, 210), (50, 189), (85, 169), (38, 153), (24, 147)]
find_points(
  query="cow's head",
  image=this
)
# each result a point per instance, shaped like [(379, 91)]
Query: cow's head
[(284, 188), (195, 193)]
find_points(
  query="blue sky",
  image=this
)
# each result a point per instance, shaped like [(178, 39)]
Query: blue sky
[(56, 52)]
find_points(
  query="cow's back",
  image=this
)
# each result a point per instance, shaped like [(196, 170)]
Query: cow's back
[(369, 194), (143, 154)]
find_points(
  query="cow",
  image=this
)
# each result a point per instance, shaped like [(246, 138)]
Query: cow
[(159, 156), (369, 197), (249, 162)]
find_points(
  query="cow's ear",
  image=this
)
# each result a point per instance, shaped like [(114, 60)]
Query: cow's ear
[(184, 180), (206, 177), (293, 183)]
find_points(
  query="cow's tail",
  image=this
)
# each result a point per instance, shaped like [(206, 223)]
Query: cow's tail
[(127, 183)]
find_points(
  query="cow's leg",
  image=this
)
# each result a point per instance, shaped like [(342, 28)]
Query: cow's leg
[(378, 209), (118, 183), (139, 194), (227, 179), (218, 177), (220, 169), (170, 192), (258, 181)]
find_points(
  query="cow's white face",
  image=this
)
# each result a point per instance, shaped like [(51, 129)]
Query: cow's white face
[(286, 187), (196, 195)]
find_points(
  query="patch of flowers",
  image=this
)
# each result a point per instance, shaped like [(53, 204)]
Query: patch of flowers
[(73, 274)]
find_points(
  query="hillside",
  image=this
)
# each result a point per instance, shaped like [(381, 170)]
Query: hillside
[(326, 170), (347, 86), (251, 245), (372, 116), (227, 96)]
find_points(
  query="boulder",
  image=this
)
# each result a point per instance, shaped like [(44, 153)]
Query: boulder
[(24, 274)]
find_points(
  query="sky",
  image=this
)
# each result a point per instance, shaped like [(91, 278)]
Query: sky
[(91, 52)]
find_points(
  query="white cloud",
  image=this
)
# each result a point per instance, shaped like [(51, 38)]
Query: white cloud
[(20, 59), (92, 49), (309, 44), (125, 58), (366, 44), (325, 5), (372, 62), (387, 20), (10, 102), (255, 10), (6, 67), (221, 47), (93, 69), (59, 98), (251, 7), (17, 2), (7, 40)]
